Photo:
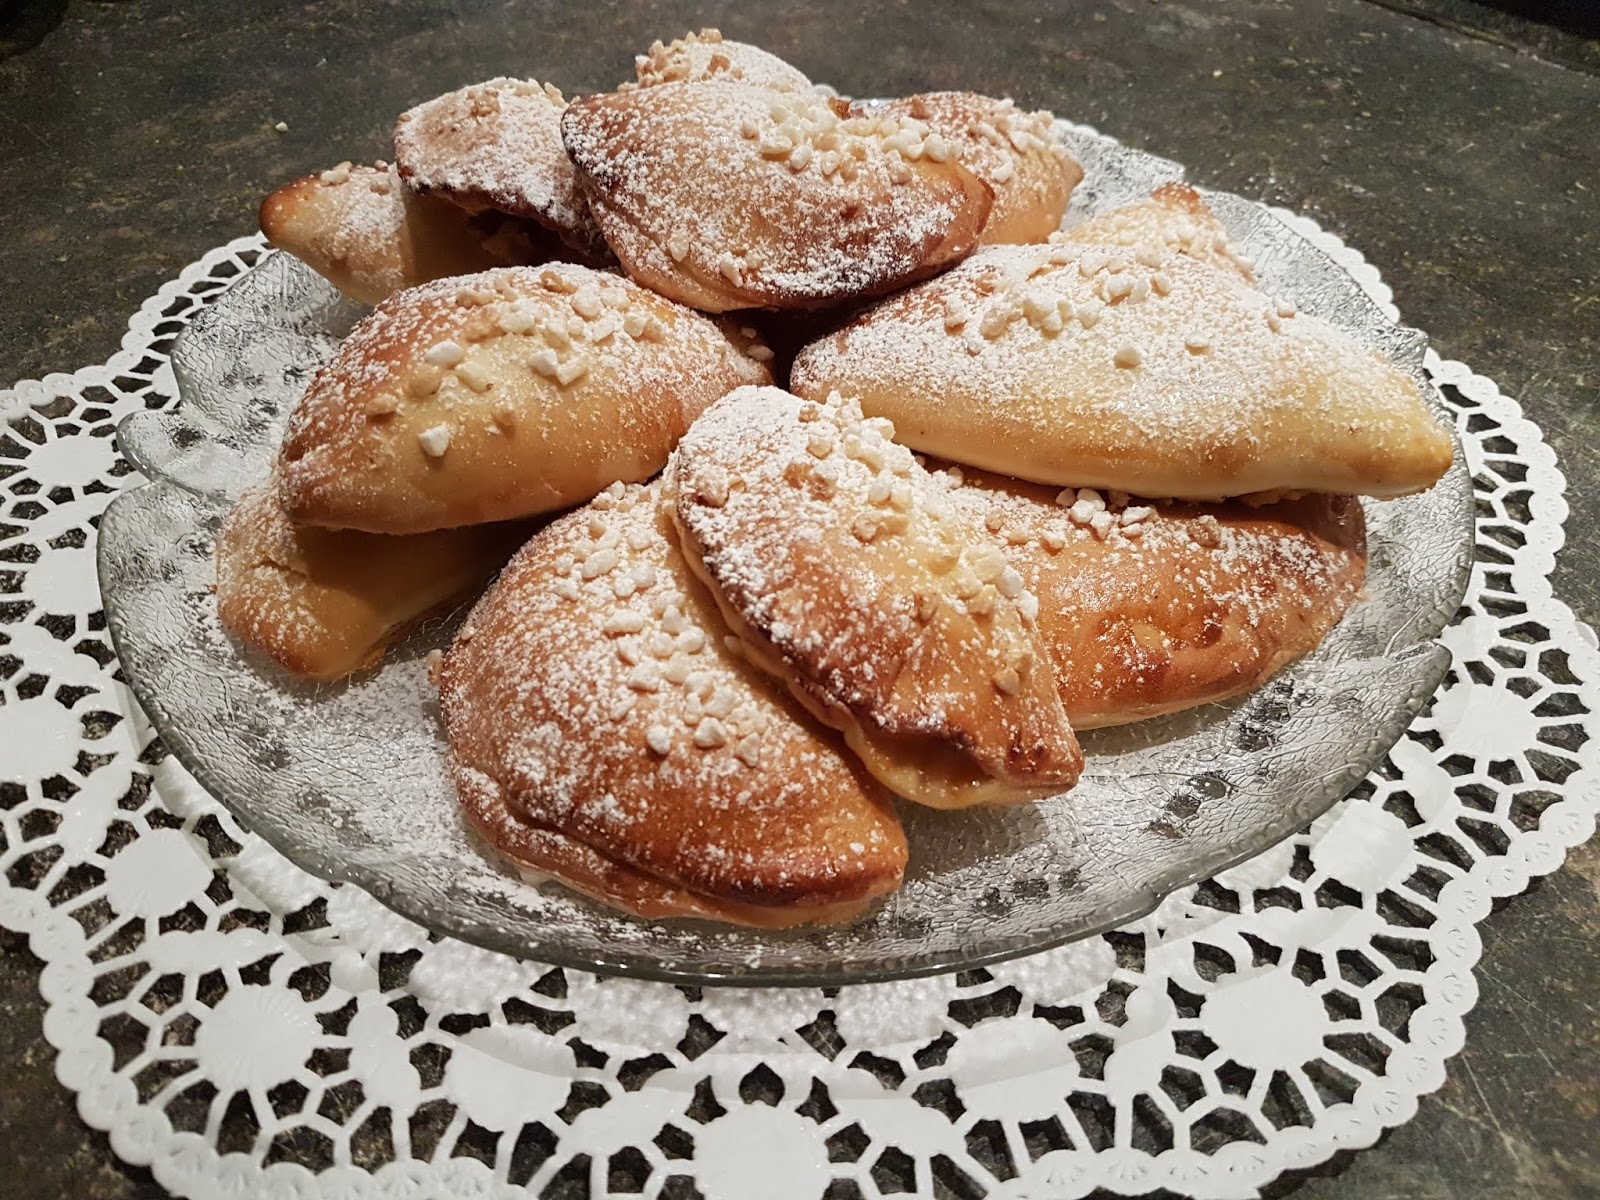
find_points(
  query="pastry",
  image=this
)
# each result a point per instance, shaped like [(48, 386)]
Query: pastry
[(725, 195), (1016, 153), (695, 696), (845, 572), (708, 55), (541, 855), (362, 230), (322, 603), (500, 395), (1175, 220), (1151, 608), (603, 732), (1143, 369), (497, 145)]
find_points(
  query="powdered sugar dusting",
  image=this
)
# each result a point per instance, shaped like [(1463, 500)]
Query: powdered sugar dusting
[(1018, 154), (1173, 221), (592, 684), (708, 55), (322, 603), (256, 549), (497, 144), (501, 394), (835, 549), (1138, 368), (348, 224), (370, 235), (728, 195), (1150, 607)]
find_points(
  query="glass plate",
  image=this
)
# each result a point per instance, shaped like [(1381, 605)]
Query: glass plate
[(348, 781)]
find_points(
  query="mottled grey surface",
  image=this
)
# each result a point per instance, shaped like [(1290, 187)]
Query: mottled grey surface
[(1562, 31), (138, 135)]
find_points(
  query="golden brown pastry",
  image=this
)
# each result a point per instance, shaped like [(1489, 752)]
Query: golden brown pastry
[(1151, 371), (323, 603), (602, 731), (362, 230), (501, 395), (1016, 153), (708, 55), (1152, 608), (846, 573), (788, 333), (497, 145), (725, 195), (1175, 220), (541, 855)]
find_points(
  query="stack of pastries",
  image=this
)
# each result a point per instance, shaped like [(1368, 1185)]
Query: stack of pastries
[(819, 465)]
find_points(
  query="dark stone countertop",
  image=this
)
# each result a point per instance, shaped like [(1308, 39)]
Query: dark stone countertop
[(138, 135)]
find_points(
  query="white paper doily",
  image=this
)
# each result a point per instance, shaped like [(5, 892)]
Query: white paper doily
[(245, 1029)]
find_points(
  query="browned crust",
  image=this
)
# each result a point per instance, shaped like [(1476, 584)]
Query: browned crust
[(708, 55), (496, 145), (1175, 220), (357, 453), (1138, 367), (592, 695), (1016, 153), (322, 603), (370, 236), (1203, 603), (934, 773), (538, 852), (695, 208), (894, 634)]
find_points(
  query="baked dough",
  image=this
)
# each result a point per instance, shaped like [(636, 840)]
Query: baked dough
[(501, 395), (541, 855), (324, 603), (602, 731), (362, 230), (497, 145), (1154, 372), (846, 573), (708, 55), (725, 195), (1151, 608), (1175, 220), (1016, 153)]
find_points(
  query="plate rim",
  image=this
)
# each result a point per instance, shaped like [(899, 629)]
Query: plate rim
[(1433, 657)]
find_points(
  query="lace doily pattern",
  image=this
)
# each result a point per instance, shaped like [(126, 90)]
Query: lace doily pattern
[(245, 1029)]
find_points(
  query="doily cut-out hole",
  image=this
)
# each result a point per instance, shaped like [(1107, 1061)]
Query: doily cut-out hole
[(241, 1027)]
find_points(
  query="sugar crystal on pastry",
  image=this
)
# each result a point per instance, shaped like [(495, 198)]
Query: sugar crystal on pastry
[(1199, 387), (1017, 153), (497, 145), (1150, 607), (708, 55), (725, 195), (846, 574), (370, 235), (617, 719), (1174, 220), (500, 395)]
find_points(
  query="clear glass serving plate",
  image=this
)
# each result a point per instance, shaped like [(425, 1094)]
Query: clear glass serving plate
[(348, 781)]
